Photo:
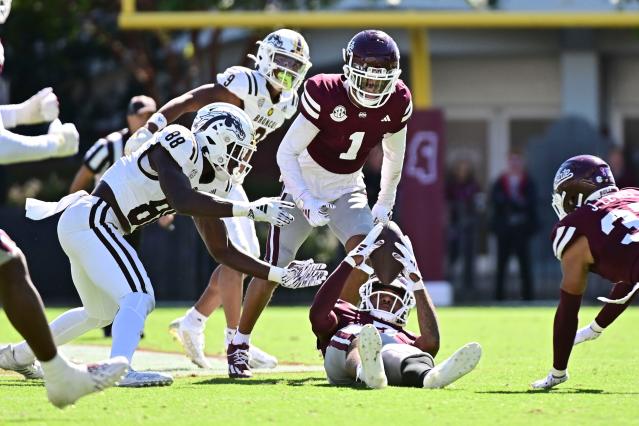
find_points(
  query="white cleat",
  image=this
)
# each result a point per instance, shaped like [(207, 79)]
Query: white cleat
[(8, 362), (549, 382), (370, 347), (141, 379), (585, 334), (260, 359), (192, 342), (457, 365), (83, 379)]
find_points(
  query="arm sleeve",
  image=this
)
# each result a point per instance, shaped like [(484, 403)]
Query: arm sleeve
[(9, 115), (16, 148), (565, 328), (321, 315), (298, 137), (394, 146)]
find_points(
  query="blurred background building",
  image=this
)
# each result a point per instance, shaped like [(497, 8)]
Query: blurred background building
[(545, 92)]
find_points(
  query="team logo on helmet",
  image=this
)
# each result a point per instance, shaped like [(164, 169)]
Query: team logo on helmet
[(215, 117), (339, 113), (562, 176), (275, 40)]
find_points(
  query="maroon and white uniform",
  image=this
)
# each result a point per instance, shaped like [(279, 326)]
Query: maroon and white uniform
[(8, 249), (611, 226), (323, 153), (337, 323)]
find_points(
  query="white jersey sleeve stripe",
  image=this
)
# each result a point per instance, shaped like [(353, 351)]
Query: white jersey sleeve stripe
[(99, 155), (308, 108), (564, 241), (408, 112), (257, 88), (558, 234), (250, 84), (316, 106)]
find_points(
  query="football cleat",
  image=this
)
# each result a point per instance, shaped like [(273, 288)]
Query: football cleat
[(260, 359), (8, 362), (81, 380), (237, 357), (549, 381), (585, 334), (141, 379), (192, 340), (457, 365), (370, 346)]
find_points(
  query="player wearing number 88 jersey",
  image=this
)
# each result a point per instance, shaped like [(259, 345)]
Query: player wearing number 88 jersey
[(177, 170), (598, 232)]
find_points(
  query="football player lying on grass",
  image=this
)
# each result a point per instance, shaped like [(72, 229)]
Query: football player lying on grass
[(597, 232), (369, 343)]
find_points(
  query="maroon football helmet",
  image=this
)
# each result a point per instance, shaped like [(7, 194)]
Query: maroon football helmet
[(371, 67), (580, 179)]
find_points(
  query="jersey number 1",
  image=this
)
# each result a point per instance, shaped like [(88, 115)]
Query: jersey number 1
[(356, 143)]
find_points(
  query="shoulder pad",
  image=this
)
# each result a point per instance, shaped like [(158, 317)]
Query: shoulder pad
[(179, 142), (240, 81)]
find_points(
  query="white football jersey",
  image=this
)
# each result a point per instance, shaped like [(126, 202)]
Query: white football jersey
[(136, 186), (252, 88)]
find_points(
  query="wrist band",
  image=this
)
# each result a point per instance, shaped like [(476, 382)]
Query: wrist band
[(276, 274), (159, 120)]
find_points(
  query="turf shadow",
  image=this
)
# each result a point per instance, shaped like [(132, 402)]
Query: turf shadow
[(556, 391), (22, 383), (253, 382)]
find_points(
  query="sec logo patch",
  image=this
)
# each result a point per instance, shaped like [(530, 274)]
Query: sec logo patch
[(339, 113)]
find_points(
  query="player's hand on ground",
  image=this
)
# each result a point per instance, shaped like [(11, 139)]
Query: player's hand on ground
[(406, 256), (304, 273), (315, 211), (363, 250), (381, 213), (271, 210), (39, 108), (549, 381), (66, 137), (585, 334), (137, 139)]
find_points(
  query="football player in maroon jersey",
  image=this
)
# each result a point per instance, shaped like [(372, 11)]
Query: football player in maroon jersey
[(369, 342), (597, 232), (343, 116)]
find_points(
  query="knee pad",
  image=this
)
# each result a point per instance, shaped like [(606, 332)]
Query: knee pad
[(414, 368), (141, 303)]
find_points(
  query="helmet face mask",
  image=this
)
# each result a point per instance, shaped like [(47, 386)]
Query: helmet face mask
[(372, 292), (226, 138), (371, 67), (283, 59), (5, 9), (579, 180)]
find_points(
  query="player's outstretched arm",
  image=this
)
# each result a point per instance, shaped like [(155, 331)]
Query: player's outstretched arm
[(61, 141), (189, 102), (428, 341), (39, 108), (394, 147), (575, 262)]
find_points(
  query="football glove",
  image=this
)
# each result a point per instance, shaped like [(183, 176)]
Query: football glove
[(381, 213), (586, 333), (271, 210), (66, 138), (549, 381), (136, 140), (304, 273), (406, 256), (314, 210), (39, 108), (363, 250)]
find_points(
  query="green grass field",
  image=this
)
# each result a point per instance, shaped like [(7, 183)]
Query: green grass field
[(517, 350)]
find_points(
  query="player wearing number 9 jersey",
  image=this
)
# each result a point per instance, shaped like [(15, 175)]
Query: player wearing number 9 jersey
[(597, 232), (343, 116), (176, 171)]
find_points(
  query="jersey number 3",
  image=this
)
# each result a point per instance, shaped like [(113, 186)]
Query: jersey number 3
[(629, 220), (356, 143)]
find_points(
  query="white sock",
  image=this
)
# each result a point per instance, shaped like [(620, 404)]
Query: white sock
[(557, 373), (68, 326), (240, 338), (596, 327), (194, 319), (229, 333), (126, 331), (358, 373), (56, 368)]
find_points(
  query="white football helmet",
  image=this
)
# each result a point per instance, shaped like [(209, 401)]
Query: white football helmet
[(371, 293), (5, 9), (226, 137), (283, 59)]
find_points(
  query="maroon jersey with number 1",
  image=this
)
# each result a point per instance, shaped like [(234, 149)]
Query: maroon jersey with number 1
[(348, 132), (611, 226)]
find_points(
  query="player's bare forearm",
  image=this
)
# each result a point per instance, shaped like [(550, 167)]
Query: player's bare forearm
[(428, 341), (213, 233), (194, 100), (321, 315), (82, 180)]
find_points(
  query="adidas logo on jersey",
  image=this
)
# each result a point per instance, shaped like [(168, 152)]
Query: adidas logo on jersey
[(362, 114), (386, 118)]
